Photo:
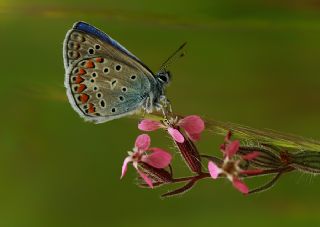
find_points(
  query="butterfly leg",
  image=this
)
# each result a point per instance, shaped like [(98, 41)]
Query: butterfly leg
[(147, 107), (144, 112), (160, 107), (166, 103), (163, 109)]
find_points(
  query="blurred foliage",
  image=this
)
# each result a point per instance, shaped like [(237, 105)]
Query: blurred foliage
[(249, 62)]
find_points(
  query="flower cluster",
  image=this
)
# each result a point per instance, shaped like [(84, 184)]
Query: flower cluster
[(142, 153), (231, 166), (193, 126), (151, 162)]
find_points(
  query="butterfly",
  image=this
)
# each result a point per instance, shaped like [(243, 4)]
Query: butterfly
[(105, 81)]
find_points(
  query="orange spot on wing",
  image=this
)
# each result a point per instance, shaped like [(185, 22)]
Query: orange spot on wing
[(91, 108), (81, 88), (84, 98), (90, 64), (99, 60), (81, 71), (79, 79)]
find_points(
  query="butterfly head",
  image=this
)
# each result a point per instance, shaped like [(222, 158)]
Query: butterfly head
[(163, 78)]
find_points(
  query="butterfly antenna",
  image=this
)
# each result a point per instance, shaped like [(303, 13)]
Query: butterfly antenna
[(173, 57)]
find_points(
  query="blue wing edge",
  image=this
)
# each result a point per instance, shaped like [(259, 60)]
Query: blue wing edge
[(85, 27)]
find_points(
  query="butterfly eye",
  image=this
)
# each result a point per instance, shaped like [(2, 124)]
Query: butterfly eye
[(163, 78), (91, 51)]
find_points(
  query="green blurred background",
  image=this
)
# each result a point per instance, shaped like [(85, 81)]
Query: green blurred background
[(249, 62)]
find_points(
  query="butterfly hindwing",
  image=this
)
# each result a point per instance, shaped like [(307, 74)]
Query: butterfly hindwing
[(103, 89)]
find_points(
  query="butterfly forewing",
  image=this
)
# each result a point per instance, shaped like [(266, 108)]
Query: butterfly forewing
[(102, 82)]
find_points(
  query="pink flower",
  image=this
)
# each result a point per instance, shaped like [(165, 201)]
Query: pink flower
[(142, 152), (230, 166), (193, 126)]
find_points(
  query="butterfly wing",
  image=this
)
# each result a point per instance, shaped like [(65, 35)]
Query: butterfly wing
[(76, 46), (104, 81)]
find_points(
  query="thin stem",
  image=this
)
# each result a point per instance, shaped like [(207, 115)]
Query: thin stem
[(197, 177), (267, 185), (181, 190), (213, 158), (171, 170), (207, 175)]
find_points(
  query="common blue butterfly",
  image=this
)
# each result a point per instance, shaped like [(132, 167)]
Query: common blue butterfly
[(104, 81)]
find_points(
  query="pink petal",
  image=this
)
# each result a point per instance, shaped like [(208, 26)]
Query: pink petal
[(193, 124), (214, 170), (149, 125), (176, 135), (252, 171), (125, 166), (145, 178), (251, 155), (194, 137), (238, 184), (143, 142), (232, 148), (158, 158)]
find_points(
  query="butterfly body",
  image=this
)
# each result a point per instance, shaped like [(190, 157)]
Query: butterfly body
[(104, 81)]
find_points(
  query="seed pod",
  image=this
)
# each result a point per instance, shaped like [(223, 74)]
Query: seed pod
[(157, 175), (190, 154), (306, 161), (265, 160)]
